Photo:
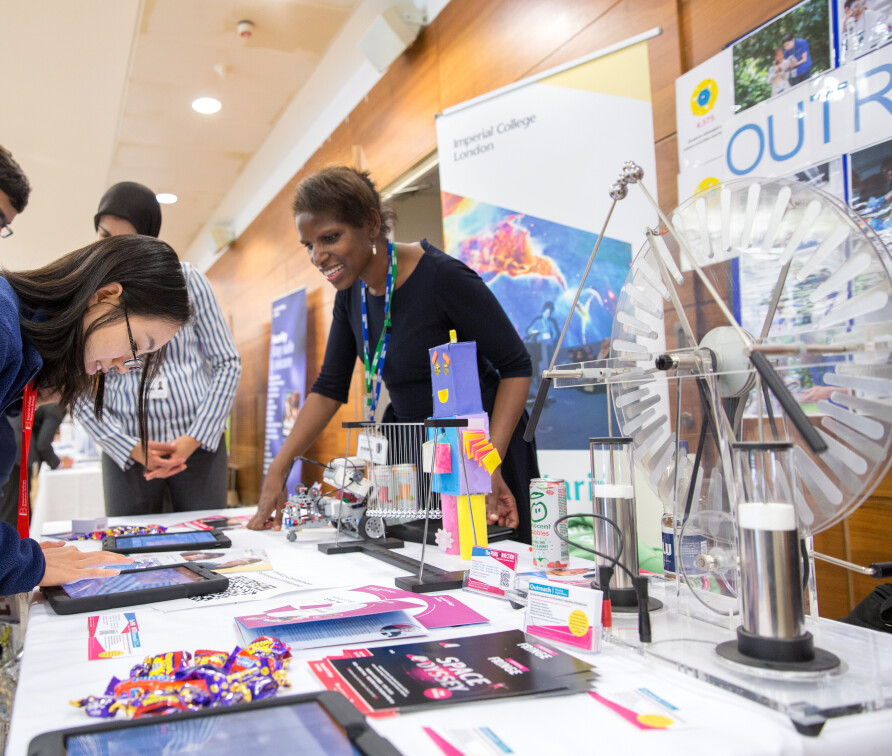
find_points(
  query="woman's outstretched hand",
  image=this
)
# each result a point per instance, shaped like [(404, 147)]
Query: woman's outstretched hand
[(272, 502), (501, 506)]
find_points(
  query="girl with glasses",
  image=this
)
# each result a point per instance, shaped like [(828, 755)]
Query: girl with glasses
[(108, 306)]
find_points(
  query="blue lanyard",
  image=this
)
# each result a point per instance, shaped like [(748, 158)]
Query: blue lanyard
[(374, 368)]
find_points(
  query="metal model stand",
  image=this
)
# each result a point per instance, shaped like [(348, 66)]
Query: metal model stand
[(401, 489)]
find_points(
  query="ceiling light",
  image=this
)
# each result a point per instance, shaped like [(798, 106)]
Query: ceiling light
[(166, 198), (206, 105)]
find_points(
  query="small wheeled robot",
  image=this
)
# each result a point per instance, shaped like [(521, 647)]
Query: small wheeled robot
[(344, 508)]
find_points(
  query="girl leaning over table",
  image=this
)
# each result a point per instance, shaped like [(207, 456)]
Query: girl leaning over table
[(112, 305), (413, 295)]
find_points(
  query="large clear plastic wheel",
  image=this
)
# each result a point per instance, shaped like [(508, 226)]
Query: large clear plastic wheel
[(809, 282)]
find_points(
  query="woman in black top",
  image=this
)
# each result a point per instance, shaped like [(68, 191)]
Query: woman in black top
[(344, 228)]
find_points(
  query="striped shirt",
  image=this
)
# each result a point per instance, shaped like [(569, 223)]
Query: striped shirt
[(191, 396)]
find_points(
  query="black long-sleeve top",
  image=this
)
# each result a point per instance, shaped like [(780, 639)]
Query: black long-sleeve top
[(442, 293)]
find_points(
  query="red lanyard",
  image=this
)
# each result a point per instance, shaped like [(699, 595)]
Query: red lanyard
[(29, 404)]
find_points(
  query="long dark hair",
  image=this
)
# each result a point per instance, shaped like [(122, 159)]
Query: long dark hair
[(55, 298)]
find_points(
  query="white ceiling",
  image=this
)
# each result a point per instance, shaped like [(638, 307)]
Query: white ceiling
[(99, 91)]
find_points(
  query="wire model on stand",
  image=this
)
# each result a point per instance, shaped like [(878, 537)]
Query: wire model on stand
[(401, 488)]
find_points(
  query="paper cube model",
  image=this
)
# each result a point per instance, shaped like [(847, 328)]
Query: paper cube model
[(455, 382), (464, 459)]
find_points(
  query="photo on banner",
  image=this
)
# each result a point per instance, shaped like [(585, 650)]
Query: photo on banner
[(790, 49), (525, 174), (828, 177), (801, 132), (871, 187), (287, 381), (864, 25)]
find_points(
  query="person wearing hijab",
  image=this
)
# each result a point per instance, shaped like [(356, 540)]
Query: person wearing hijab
[(128, 208), (188, 402)]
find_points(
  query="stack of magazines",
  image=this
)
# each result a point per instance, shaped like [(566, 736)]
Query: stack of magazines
[(433, 673)]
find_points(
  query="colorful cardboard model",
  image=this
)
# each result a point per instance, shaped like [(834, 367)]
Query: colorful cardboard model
[(464, 458)]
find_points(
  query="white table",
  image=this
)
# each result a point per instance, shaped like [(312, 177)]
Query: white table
[(71, 494), (55, 670)]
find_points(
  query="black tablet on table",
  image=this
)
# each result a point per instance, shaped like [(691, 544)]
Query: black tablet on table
[(313, 724), (134, 587), (136, 544)]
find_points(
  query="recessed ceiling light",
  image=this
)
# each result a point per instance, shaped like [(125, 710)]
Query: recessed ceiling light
[(206, 105), (166, 198)]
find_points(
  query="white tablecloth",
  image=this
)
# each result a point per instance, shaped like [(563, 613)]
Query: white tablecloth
[(71, 494), (55, 670)]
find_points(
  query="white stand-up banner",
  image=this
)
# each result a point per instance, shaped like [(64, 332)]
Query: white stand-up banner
[(525, 174)]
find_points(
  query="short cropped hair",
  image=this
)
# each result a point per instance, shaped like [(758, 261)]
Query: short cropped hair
[(13, 180)]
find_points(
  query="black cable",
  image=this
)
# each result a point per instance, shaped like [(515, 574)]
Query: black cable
[(806, 570), (605, 573), (701, 442), (769, 410), (791, 407), (288, 475), (307, 459), (614, 561)]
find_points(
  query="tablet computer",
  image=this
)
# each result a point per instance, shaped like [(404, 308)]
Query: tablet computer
[(314, 724), (202, 539), (134, 587)]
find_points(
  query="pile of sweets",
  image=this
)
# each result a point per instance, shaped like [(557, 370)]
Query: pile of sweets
[(121, 530), (180, 681)]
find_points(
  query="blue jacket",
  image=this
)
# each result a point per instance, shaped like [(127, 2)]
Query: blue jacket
[(800, 46), (21, 561)]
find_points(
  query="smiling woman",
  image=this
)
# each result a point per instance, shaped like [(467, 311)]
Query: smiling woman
[(394, 302)]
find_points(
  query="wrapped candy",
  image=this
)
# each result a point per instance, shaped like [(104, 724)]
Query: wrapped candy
[(98, 706), (120, 530), (214, 658), (181, 681)]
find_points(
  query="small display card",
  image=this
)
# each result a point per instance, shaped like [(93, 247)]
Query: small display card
[(567, 614), (492, 571), (372, 447), (113, 635)]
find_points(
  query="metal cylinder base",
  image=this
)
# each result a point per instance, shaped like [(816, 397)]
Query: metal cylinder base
[(625, 601), (778, 654)]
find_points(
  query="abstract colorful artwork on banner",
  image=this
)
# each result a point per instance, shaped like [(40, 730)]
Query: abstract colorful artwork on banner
[(533, 266)]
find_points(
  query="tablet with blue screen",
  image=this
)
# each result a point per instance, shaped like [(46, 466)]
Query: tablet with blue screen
[(203, 539), (314, 724), (132, 587)]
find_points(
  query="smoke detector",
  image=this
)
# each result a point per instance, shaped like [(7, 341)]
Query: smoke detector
[(245, 28)]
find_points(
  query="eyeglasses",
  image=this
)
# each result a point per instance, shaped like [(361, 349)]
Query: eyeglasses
[(134, 363), (5, 229)]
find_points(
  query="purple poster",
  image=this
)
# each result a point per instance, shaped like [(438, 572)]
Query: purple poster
[(287, 383)]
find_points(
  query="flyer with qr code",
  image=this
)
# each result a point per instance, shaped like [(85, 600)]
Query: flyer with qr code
[(113, 635), (492, 571)]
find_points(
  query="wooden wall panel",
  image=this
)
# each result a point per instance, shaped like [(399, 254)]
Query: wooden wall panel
[(471, 48), (623, 21), (834, 596), (708, 26), (484, 46)]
